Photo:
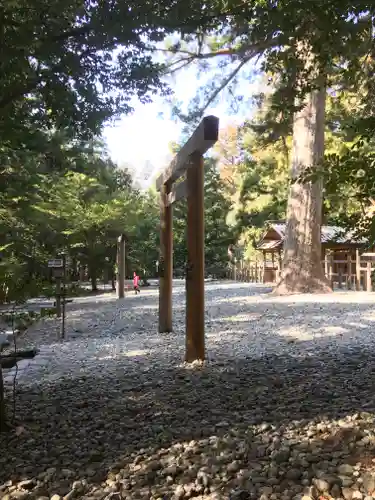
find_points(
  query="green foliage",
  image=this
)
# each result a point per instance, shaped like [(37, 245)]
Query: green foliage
[(350, 176), (64, 75), (337, 33), (144, 241), (79, 208), (260, 177), (218, 234), (75, 64), (20, 320)]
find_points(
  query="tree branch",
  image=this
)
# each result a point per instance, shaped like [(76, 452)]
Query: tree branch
[(195, 55), (224, 83), (247, 51), (182, 64)]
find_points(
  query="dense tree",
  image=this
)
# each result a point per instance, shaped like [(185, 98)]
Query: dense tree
[(78, 63), (67, 68), (261, 174), (349, 178), (218, 232), (82, 212), (227, 151), (39, 205), (143, 244), (305, 49)]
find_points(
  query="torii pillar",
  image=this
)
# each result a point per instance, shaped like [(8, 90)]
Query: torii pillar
[(121, 267)]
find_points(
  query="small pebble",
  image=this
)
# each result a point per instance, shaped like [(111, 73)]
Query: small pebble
[(116, 413)]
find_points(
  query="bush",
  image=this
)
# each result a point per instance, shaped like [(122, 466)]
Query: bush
[(216, 272), (48, 311), (20, 320)]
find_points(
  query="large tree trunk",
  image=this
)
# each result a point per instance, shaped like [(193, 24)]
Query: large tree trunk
[(93, 277), (94, 284), (302, 268), (82, 272)]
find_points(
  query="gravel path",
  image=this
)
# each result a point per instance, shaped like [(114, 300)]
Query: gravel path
[(283, 409)]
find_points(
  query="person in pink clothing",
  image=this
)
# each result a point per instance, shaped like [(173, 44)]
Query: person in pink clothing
[(136, 283)]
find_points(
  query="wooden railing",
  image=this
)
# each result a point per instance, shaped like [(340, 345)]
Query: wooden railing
[(350, 274), (250, 272), (358, 274)]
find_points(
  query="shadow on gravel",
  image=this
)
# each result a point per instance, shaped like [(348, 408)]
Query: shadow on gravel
[(275, 420), (267, 421)]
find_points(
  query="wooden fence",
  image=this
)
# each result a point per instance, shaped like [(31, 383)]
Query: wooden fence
[(250, 272), (350, 274)]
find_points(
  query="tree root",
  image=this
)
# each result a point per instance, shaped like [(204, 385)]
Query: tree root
[(302, 283)]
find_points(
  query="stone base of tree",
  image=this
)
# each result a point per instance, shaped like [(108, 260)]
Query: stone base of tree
[(302, 282)]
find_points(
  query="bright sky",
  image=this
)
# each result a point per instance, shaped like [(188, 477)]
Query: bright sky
[(142, 139)]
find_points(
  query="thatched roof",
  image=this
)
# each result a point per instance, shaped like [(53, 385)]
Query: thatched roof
[(274, 235)]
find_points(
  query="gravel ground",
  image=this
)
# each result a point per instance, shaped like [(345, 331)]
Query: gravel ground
[(283, 409)]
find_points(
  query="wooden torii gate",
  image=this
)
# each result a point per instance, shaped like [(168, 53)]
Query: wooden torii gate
[(189, 161)]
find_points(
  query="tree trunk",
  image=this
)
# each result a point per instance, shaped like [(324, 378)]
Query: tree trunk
[(74, 270), (112, 272), (94, 285), (82, 272), (302, 268), (93, 278)]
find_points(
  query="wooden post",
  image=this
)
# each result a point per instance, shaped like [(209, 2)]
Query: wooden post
[(280, 264), (195, 348), (263, 274), (63, 298), (58, 297), (330, 271), (165, 261), (121, 267), (339, 277), (326, 265), (349, 266), (368, 277), (357, 271), (256, 272)]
